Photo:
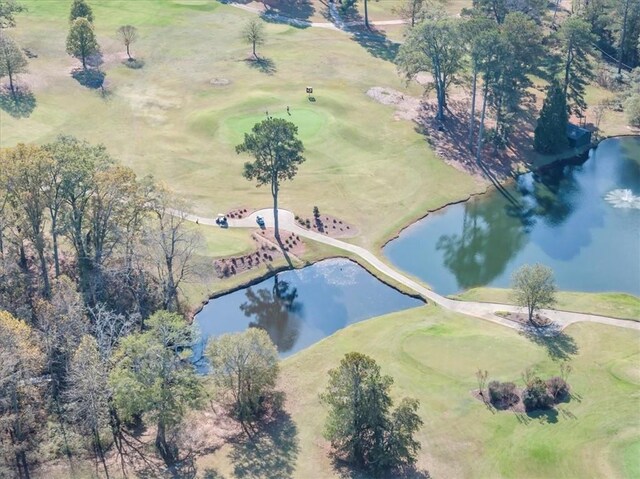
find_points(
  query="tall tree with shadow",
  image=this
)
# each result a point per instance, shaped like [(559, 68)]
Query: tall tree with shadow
[(278, 152), (576, 42), (81, 41), (435, 46), (152, 376), (12, 61), (275, 311)]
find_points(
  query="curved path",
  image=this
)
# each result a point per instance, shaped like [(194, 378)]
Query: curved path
[(337, 23), (471, 308)]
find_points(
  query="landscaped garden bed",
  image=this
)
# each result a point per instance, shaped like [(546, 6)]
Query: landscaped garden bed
[(326, 224), (267, 251)]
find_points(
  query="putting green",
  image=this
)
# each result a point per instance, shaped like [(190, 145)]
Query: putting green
[(310, 122)]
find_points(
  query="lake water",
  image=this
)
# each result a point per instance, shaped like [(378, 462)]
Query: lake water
[(300, 307), (582, 220)]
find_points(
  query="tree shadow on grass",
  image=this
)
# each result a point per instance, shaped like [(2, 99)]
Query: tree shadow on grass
[(210, 473), (263, 65), (346, 470), (20, 105), (545, 416), (90, 78), (376, 43), (271, 453), (559, 345), (300, 10)]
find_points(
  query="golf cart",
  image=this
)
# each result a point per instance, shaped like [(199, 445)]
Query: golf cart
[(221, 220)]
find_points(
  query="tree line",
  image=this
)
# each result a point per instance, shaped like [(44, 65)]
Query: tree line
[(501, 45), (89, 253)]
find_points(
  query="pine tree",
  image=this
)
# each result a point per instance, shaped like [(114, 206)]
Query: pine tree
[(80, 9), (550, 133), (12, 61)]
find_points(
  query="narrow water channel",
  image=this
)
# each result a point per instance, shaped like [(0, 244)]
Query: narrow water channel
[(300, 307), (580, 218)]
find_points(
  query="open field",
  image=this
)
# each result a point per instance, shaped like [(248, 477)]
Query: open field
[(433, 355), (169, 120), (615, 305)]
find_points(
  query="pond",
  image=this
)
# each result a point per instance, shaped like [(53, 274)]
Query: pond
[(582, 219), (300, 307)]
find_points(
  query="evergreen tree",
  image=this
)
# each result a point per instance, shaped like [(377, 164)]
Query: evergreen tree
[(360, 426), (576, 41), (153, 376), (12, 61), (81, 41), (550, 134), (80, 9)]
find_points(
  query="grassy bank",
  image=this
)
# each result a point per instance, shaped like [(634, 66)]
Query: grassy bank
[(615, 305), (433, 355), (218, 242)]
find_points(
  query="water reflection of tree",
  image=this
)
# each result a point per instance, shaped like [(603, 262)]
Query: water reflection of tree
[(496, 228), (489, 239), (554, 195), (275, 310), (628, 168)]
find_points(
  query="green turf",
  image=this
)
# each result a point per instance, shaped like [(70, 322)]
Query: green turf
[(433, 355), (617, 305), (167, 119)]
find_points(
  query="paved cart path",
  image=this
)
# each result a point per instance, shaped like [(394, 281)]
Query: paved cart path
[(337, 23), (471, 308)]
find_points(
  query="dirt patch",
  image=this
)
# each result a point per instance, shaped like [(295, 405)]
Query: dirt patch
[(209, 429), (267, 251), (327, 225), (220, 82), (407, 106), (151, 103)]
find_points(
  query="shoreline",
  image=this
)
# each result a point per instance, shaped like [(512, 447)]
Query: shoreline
[(564, 157), (568, 157), (281, 269)]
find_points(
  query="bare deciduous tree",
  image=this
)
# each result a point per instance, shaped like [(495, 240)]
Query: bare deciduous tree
[(172, 247), (128, 34), (110, 327), (87, 396), (253, 34)]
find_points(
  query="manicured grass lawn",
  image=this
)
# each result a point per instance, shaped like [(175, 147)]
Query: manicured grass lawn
[(167, 119), (433, 355), (617, 305)]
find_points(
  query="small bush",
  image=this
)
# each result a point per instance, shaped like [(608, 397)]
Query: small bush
[(632, 108), (502, 394), (536, 395), (316, 212), (558, 388)]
